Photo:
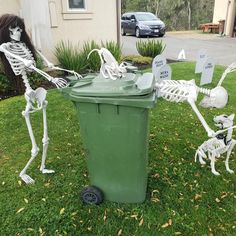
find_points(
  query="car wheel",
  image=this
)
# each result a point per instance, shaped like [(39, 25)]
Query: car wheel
[(137, 32), (123, 31), (161, 35)]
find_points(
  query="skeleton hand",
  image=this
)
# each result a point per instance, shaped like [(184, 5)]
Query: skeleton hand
[(50, 65), (59, 82), (211, 133)]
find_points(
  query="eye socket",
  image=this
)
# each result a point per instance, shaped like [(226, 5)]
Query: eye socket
[(225, 116)]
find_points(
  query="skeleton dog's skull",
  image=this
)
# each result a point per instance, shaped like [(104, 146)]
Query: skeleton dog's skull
[(224, 121), (218, 98), (15, 33)]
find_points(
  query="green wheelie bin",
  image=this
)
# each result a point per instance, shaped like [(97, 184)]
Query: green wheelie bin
[(114, 126)]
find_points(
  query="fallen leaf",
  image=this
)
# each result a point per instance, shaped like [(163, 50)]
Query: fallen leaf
[(217, 200), (119, 232), (141, 222), (165, 225), (26, 200), (62, 211), (20, 210)]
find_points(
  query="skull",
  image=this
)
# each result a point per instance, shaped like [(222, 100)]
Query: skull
[(223, 121), (218, 98), (15, 33)]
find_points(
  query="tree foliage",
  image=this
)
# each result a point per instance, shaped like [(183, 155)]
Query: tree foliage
[(177, 14)]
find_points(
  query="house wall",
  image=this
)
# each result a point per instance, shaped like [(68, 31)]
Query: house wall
[(11, 7), (97, 22), (225, 10)]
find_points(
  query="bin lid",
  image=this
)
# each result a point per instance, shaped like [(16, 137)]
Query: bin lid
[(134, 90), (98, 86)]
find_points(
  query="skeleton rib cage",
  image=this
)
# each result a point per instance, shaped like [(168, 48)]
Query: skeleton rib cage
[(21, 50), (177, 91)]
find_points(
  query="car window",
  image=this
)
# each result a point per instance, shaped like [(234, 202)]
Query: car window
[(146, 17), (132, 17)]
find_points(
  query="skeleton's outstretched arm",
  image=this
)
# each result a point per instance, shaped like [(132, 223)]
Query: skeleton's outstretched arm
[(180, 91), (51, 65), (209, 131), (229, 69)]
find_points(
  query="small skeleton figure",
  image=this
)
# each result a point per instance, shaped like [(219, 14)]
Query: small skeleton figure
[(218, 97), (109, 66), (18, 56), (219, 144)]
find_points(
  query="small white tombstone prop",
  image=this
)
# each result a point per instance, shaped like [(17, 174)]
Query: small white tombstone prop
[(181, 56), (201, 59), (207, 72), (157, 63), (164, 73)]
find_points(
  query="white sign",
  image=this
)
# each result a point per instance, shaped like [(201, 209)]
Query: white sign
[(157, 63), (201, 59), (181, 55), (207, 72), (164, 73)]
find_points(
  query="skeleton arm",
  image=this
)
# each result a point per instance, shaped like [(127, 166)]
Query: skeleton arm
[(180, 91), (229, 69), (51, 65)]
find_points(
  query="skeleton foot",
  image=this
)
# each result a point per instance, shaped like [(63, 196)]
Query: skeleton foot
[(202, 162), (229, 170), (27, 179), (46, 171), (215, 172)]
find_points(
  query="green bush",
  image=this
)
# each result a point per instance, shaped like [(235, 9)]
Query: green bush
[(150, 48), (114, 48), (73, 58), (137, 59), (70, 57), (4, 83), (93, 62)]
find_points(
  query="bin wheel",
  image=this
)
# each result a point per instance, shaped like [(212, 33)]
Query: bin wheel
[(91, 195)]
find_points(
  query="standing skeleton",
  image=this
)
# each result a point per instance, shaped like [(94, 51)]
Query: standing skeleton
[(18, 56)]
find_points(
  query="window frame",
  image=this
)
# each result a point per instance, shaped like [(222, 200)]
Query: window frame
[(76, 9), (77, 14)]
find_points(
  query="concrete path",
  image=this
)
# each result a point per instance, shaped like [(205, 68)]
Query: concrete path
[(222, 49)]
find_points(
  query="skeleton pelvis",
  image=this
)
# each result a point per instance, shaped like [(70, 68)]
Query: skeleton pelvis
[(38, 95)]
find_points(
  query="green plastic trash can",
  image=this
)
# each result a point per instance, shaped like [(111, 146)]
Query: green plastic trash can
[(114, 125)]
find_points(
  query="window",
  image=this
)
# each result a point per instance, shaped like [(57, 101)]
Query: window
[(76, 4), (77, 9)]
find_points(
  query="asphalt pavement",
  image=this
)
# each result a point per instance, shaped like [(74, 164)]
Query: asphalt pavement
[(222, 49)]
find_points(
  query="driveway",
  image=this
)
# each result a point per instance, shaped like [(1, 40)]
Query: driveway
[(222, 49)]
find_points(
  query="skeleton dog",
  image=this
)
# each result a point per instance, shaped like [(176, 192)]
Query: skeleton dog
[(218, 145)]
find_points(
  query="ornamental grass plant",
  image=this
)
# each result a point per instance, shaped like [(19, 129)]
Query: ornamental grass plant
[(150, 48)]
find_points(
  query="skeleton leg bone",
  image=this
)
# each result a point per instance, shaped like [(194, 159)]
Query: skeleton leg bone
[(212, 157), (45, 141), (228, 156), (34, 151)]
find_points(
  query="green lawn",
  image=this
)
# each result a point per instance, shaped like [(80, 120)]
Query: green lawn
[(183, 198)]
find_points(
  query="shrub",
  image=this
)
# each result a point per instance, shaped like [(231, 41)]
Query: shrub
[(114, 48), (70, 57), (93, 62), (150, 48), (5, 84), (137, 59)]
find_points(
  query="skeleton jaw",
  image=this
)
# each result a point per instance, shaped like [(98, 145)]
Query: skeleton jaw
[(15, 33)]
